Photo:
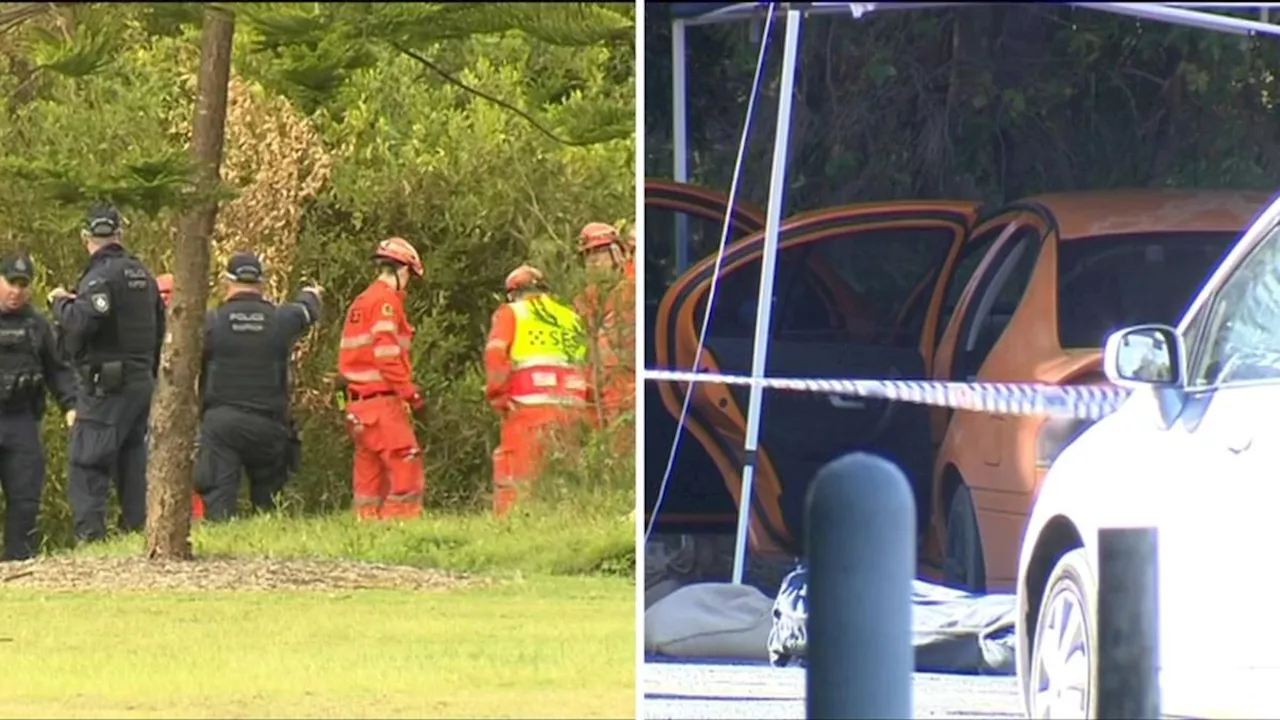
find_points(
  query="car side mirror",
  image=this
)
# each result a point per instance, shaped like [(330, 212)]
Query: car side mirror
[(1144, 356)]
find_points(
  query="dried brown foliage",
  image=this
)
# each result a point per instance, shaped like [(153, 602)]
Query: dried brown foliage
[(277, 162)]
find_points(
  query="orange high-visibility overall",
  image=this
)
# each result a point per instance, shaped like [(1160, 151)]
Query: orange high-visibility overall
[(387, 474), (535, 380), (612, 325)]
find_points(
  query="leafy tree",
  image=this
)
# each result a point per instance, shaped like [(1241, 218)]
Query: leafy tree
[(1014, 100)]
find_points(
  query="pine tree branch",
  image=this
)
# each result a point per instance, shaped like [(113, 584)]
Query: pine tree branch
[(496, 101)]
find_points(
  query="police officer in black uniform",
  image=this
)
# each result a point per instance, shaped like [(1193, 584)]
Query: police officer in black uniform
[(113, 326), (245, 390), (29, 363)]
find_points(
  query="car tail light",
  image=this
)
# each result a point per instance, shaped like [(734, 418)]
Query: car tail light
[(1056, 433)]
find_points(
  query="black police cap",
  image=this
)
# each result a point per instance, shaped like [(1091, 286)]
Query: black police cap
[(244, 267), (17, 266), (102, 221)]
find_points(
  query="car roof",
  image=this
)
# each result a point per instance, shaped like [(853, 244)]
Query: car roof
[(1119, 212)]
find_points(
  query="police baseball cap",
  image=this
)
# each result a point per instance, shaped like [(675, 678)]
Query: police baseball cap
[(17, 267), (244, 267), (102, 221)]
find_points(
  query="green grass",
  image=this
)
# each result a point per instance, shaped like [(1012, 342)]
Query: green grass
[(547, 640), (544, 542)]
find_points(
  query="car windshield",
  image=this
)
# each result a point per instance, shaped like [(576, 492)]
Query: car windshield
[(1113, 281)]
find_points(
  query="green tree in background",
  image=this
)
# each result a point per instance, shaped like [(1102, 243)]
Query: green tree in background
[(992, 102)]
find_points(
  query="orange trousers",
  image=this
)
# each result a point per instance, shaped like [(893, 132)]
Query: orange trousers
[(387, 476), (526, 434)]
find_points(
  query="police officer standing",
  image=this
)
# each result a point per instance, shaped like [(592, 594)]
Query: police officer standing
[(113, 326), (245, 390), (29, 363)]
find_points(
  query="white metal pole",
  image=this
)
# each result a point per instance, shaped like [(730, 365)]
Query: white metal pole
[(764, 302), (680, 134)]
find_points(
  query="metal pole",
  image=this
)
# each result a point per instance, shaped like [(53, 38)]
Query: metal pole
[(680, 134), (1186, 18), (860, 519), (1128, 624), (764, 302)]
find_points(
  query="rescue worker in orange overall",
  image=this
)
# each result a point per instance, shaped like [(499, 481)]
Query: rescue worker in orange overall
[(609, 303), (165, 283), (373, 362), (534, 362)]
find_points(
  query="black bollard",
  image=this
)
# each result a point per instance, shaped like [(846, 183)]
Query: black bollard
[(1128, 624), (861, 540)]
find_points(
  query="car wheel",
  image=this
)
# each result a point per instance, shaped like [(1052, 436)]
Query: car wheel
[(963, 564), (1063, 658)]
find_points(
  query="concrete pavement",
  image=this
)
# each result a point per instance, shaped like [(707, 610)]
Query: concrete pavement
[(705, 691)]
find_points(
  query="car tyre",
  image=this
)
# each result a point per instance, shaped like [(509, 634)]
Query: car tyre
[(963, 564), (1064, 653)]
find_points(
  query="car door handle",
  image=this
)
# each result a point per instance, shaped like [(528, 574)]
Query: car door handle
[(844, 402)]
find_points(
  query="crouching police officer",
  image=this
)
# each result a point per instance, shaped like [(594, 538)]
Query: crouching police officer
[(245, 389), (112, 328), (29, 363)]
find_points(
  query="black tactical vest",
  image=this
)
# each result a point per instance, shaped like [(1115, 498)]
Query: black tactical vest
[(21, 371), (248, 358), (129, 332)]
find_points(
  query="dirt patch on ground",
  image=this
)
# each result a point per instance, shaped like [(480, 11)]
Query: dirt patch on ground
[(133, 573)]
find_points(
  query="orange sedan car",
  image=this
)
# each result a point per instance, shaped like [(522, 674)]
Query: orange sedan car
[(870, 291), (856, 295), (1056, 277)]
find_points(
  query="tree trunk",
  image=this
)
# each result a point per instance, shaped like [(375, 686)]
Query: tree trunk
[(175, 414)]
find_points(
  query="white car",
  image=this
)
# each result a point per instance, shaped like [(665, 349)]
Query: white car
[(1195, 452)]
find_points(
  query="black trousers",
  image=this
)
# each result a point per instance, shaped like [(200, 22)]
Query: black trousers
[(235, 442), (22, 477), (109, 440)]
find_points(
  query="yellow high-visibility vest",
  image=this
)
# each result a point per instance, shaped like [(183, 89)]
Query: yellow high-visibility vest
[(548, 333)]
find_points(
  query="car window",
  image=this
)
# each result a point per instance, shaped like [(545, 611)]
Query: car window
[(660, 246), (1242, 332), (1110, 282), (869, 274), (737, 293), (997, 296), (975, 248), (883, 267)]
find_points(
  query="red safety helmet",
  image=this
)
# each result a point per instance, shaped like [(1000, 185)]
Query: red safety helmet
[(399, 250), (165, 284), (597, 235), (524, 277)]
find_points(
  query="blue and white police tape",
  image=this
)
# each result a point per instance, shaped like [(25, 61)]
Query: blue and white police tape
[(1084, 402)]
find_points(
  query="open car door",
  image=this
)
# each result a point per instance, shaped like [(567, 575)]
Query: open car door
[(699, 212), (846, 281), (705, 505)]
